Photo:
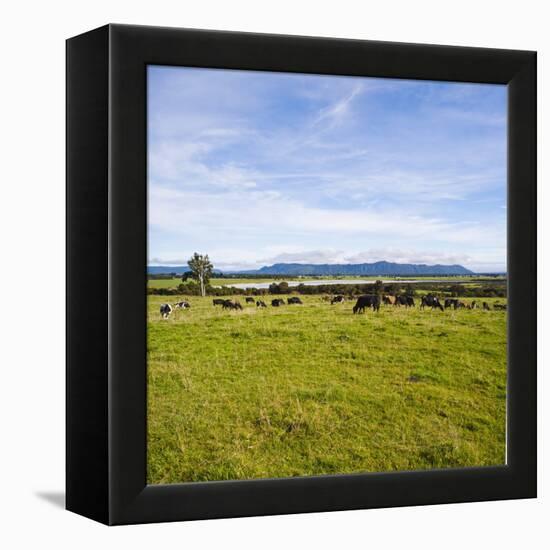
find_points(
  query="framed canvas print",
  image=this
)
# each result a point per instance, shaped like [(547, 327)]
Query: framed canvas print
[(301, 274)]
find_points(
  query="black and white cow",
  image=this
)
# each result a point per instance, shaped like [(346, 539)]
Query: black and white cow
[(165, 310), (431, 301), (182, 305)]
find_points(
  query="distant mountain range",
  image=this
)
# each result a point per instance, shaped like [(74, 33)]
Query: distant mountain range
[(376, 268)]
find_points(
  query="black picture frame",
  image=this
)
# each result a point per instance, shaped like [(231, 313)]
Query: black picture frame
[(106, 277)]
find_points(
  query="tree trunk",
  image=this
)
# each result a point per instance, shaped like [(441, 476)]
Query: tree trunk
[(203, 291)]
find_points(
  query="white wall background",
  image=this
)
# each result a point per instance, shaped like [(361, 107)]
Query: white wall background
[(32, 130)]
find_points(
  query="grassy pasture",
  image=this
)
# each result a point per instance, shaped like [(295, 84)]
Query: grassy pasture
[(313, 389)]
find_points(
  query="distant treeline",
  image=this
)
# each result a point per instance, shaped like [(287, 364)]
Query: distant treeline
[(280, 277), (161, 276), (493, 289), (219, 275)]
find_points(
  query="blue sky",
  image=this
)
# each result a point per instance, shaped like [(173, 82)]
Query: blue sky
[(255, 168)]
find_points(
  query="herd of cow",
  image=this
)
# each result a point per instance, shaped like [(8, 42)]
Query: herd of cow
[(363, 302), (234, 304)]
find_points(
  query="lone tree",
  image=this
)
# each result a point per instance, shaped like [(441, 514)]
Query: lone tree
[(201, 270)]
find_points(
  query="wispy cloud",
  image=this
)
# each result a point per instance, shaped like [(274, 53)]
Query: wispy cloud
[(335, 112)]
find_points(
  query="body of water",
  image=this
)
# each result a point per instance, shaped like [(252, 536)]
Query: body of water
[(343, 282)]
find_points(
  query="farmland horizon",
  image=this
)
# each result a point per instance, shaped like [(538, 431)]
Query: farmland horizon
[(377, 268)]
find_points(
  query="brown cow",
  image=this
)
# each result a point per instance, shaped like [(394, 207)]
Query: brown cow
[(389, 300)]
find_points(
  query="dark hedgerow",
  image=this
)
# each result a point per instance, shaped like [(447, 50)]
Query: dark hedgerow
[(479, 289)]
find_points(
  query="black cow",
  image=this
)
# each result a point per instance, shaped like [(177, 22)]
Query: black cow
[(486, 306), (431, 301), (277, 302), (451, 302), (229, 304), (406, 301), (500, 306), (182, 305), (218, 301), (337, 300), (368, 300), (260, 303), (165, 310), (294, 300), (249, 300)]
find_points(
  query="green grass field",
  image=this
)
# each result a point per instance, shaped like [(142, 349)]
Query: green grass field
[(314, 389)]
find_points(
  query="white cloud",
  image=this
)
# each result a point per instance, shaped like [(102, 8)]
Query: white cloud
[(329, 256), (270, 213), (408, 257)]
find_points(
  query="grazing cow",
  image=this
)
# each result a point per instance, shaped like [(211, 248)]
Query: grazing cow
[(389, 300), (218, 301), (337, 300), (451, 302), (229, 304), (294, 300), (165, 310), (182, 305), (431, 301), (406, 301), (368, 300), (260, 303), (249, 300), (461, 305), (277, 302), (473, 305), (486, 306), (500, 306)]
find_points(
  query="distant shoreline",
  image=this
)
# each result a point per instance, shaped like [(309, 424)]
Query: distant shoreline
[(357, 281), (293, 282)]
